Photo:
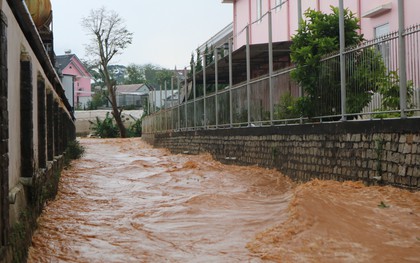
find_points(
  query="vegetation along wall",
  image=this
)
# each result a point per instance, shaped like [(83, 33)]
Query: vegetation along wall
[(376, 152)]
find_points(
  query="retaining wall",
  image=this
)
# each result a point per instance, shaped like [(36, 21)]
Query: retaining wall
[(376, 152)]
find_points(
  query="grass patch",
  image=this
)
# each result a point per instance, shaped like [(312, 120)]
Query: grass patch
[(383, 205)]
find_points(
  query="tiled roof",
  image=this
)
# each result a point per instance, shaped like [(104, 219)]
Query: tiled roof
[(129, 88), (63, 61)]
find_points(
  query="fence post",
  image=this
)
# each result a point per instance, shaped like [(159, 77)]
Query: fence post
[(216, 87), (186, 97), (148, 103), (403, 65), (172, 103), (270, 65), (230, 83), (248, 76), (194, 95), (299, 9), (301, 91), (178, 83), (204, 90), (342, 62), (165, 116)]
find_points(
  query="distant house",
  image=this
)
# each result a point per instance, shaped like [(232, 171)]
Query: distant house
[(133, 95), (75, 78)]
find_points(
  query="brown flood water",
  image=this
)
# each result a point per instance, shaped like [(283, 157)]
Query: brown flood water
[(127, 202)]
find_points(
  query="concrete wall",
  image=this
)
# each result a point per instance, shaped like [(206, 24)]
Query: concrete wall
[(384, 152), (35, 128), (84, 119)]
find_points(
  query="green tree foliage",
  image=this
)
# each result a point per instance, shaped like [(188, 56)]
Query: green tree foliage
[(199, 62), (150, 74), (135, 74), (192, 64), (389, 88), (105, 128), (209, 54), (286, 108), (117, 73), (317, 37), (99, 99)]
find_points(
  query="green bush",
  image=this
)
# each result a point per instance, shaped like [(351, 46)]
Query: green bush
[(389, 88), (75, 150), (320, 79), (135, 128), (105, 128), (287, 107)]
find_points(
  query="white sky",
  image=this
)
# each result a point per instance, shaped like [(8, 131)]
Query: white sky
[(165, 31)]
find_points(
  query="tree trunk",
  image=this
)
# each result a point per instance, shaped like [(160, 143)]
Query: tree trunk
[(117, 113)]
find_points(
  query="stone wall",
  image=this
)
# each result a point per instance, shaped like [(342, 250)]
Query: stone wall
[(376, 152)]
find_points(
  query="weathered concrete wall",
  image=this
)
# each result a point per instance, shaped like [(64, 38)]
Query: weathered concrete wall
[(35, 126), (386, 152), (84, 119)]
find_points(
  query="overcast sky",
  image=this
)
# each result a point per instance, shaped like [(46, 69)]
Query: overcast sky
[(165, 31)]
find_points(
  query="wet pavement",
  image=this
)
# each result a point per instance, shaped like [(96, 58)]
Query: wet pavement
[(125, 201)]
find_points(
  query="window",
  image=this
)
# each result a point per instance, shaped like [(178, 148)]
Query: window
[(381, 30), (383, 45), (259, 9), (279, 4)]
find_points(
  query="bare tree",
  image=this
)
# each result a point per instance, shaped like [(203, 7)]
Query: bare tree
[(109, 38)]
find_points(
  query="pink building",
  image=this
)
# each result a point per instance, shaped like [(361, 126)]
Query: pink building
[(76, 79), (377, 17)]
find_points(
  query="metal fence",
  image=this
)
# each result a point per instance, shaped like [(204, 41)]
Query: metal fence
[(372, 91)]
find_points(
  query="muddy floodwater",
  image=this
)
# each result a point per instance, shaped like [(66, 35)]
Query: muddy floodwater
[(125, 201)]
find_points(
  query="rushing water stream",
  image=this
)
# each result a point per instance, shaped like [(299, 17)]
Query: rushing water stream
[(127, 202)]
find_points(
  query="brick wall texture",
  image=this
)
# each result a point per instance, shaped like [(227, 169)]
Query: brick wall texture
[(376, 152)]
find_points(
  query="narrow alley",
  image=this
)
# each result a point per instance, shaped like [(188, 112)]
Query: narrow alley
[(125, 201)]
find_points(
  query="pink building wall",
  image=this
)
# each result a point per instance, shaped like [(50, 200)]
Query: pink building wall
[(82, 79), (285, 19)]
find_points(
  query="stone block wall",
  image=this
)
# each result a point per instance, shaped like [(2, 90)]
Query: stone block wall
[(376, 152)]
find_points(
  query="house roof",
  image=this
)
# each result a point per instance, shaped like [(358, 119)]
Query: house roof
[(63, 61), (131, 88)]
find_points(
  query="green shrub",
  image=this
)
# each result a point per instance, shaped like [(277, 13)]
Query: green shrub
[(75, 150), (105, 128), (135, 128), (287, 107), (389, 88)]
